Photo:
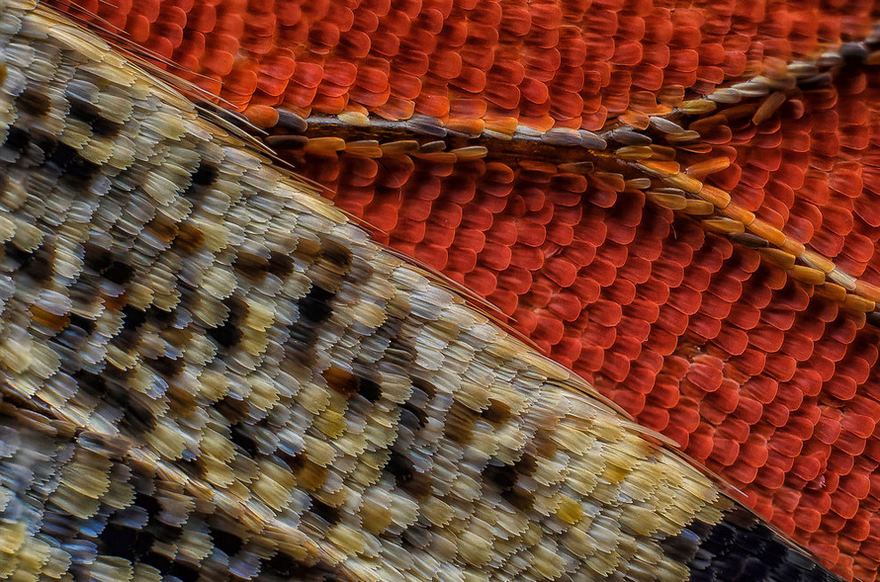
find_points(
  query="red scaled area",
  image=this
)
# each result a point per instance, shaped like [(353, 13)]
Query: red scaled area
[(571, 63)]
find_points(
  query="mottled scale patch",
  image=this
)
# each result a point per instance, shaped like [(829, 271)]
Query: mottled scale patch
[(207, 372)]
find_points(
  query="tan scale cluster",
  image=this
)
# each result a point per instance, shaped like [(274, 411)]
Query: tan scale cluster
[(194, 347)]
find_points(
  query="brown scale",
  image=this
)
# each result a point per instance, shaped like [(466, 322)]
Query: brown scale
[(208, 372)]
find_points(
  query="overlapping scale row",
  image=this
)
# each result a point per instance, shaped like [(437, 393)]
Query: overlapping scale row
[(495, 64)]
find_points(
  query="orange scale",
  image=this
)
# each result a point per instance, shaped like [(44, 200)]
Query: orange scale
[(825, 357), (397, 22), (590, 361), (481, 281), (440, 235), (573, 53), (868, 207), (382, 44), (149, 9), (534, 90), (857, 483), (732, 340), (653, 290), (505, 300), (515, 279), (395, 109), (382, 216), (686, 301), (561, 271), (173, 16), (366, 21), (412, 8), (627, 53), (470, 80), (867, 406), (781, 367), (810, 520), (741, 472), (701, 444), (616, 367), (549, 330), (826, 144), (586, 289), (665, 391), (846, 181), (677, 433), (650, 362), (839, 463), (633, 327), (859, 528), (790, 397), (652, 416), (674, 321), (632, 402), (559, 232), (597, 335), (161, 46), (258, 37), (566, 306), (272, 87), (242, 81), (527, 258), (372, 80), (115, 19), (340, 16), (767, 338), (724, 452), (230, 24), (568, 349), (138, 28), (844, 504), (412, 62), (760, 297), (647, 76), (480, 54), (531, 233), (404, 86), (725, 400), (462, 260), (837, 217), (605, 313), (595, 121), (432, 20), (684, 64), (663, 341), (496, 257), (827, 243), (547, 16), (636, 270), (431, 255), (622, 292), (762, 388), (858, 369), (855, 137), (515, 21), (630, 348)]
